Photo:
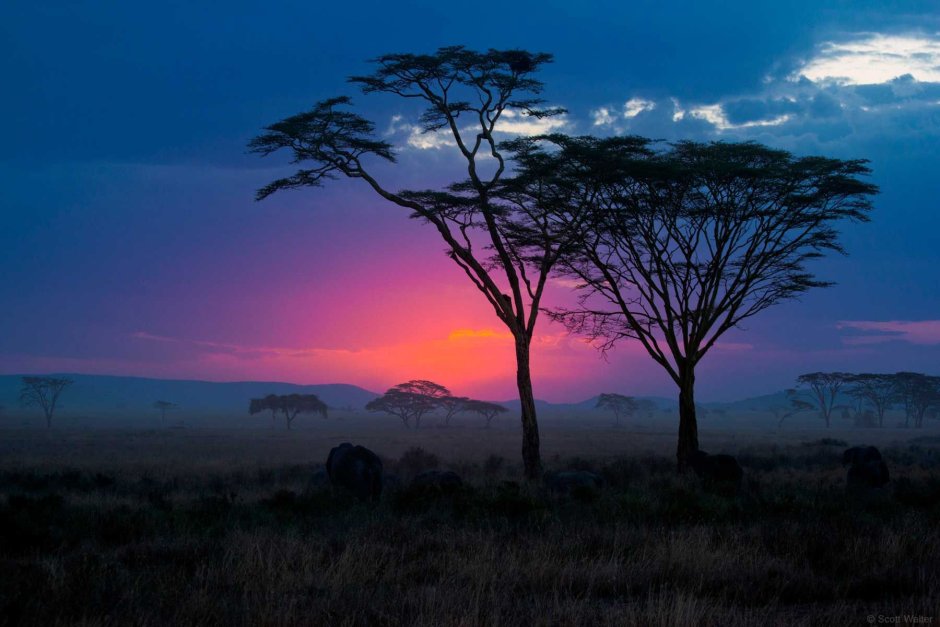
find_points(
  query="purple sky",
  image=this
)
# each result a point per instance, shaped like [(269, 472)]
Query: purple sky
[(130, 242)]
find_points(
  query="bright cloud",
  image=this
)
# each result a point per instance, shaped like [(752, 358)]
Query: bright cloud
[(516, 123), (924, 332), (678, 112), (636, 106), (715, 115), (603, 116), (510, 123), (874, 58)]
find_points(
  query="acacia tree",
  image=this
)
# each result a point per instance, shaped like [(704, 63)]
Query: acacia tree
[(44, 392), (452, 405), (488, 410), (268, 403), (290, 405), (822, 389), (690, 240), (619, 404), (917, 393), (162, 407), (411, 400), (878, 390), (465, 95)]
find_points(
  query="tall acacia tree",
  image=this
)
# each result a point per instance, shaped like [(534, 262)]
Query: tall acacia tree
[(690, 240), (465, 94)]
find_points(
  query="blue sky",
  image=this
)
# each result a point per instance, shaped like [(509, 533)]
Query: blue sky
[(130, 243)]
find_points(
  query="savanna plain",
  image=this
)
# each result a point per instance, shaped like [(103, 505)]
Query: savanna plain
[(230, 526)]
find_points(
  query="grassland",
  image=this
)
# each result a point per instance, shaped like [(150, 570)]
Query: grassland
[(225, 527)]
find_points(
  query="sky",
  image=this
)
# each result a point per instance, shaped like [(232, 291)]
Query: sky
[(130, 241)]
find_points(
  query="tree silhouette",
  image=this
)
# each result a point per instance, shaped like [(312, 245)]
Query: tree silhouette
[(619, 404), (270, 403), (878, 390), (44, 392), (822, 389), (688, 241), (290, 405), (411, 400), (486, 409), (162, 407), (917, 393), (466, 96), (452, 405)]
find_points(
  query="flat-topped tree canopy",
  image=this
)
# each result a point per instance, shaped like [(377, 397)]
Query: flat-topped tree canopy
[(687, 240)]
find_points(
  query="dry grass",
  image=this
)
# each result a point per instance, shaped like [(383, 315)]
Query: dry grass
[(212, 527)]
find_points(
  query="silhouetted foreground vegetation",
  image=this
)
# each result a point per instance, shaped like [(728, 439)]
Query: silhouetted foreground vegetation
[(266, 545)]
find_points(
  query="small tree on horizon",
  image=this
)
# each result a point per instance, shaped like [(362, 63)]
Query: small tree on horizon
[(619, 404), (451, 406), (917, 393), (267, 403), (488, 410), (43, 392), (290, 405), (822, 389), (878, 390), (410, 401), (163, 407)]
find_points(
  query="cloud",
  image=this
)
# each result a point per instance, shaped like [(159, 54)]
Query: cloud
[(603, 116), (510, 123), (678, 113), (716, 116), (636, 106), (863, 332), (606, 116), (518, 123), (866, 86), (874, 58)]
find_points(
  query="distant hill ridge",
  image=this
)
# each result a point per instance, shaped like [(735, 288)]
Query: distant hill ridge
[(117, 394)]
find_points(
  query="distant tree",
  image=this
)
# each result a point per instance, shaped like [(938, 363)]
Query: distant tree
[(486, 409), (411, 400), (451, 406), (294, 404), (782, 413), (270, 403), (820, 391), (43, 392), (878, 390), (290, 405), (466, 95), (917, 393), (620, 405), (688, 241), (162, 407)]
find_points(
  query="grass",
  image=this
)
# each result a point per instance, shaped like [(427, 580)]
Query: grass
[(227, 528)]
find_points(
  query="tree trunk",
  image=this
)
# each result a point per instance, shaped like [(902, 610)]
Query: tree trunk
[(48, 420), (688, 425), (531, 458)]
